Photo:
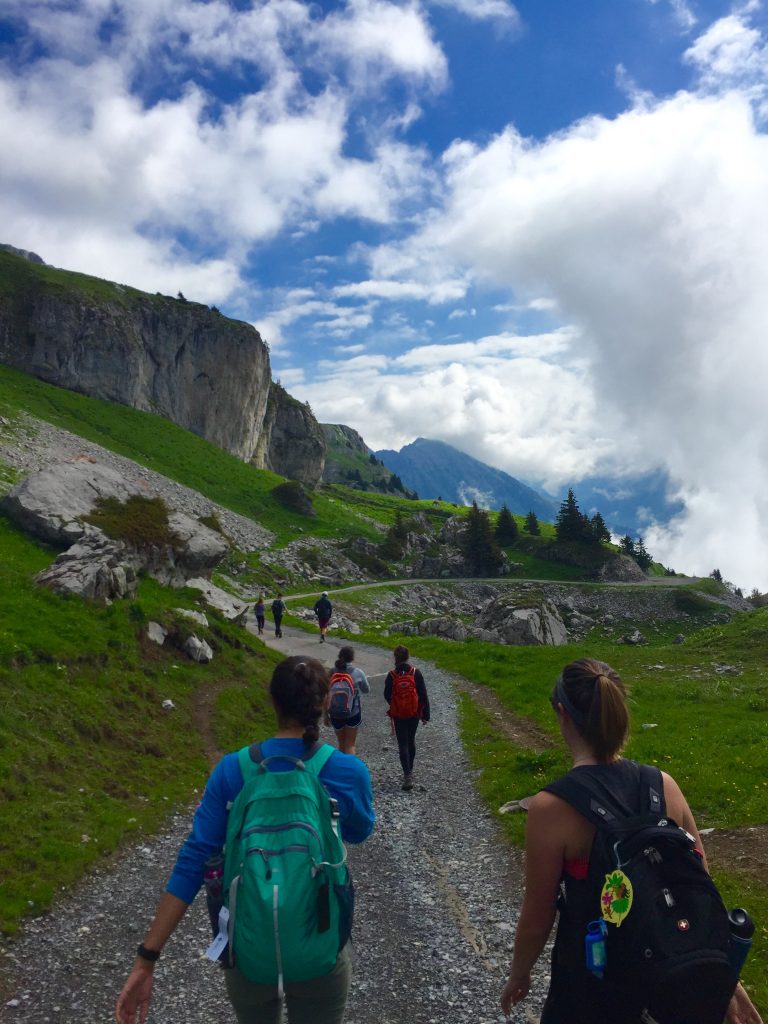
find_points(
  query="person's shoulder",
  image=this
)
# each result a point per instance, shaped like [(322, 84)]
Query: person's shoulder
[(547, 807), (345, 767)]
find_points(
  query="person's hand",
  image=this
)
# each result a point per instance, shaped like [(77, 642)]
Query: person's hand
[(515, 991), (425, 721), (741, 1010), (133, 1002)]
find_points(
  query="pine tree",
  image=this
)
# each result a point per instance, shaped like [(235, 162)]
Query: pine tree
[(478, 544), (506, 528), (532, 524), (716, 575), (571, 524), (599, 530), (642, 557), (627, 546)]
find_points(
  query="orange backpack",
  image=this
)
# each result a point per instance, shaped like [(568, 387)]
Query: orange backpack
[(405, 699)]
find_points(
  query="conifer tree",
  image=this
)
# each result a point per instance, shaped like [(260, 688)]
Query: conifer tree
[(478, 544), (532, 524), (506, 527), (627, 546), (642, 557), (571, 524), (599, 530)]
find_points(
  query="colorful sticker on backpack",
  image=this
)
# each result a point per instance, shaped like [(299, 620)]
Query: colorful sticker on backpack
[(616, 897)]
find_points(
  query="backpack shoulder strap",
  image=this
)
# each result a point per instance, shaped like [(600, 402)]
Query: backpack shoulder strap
[(318, 756), (250, 758), (592, 800), (585, 799)]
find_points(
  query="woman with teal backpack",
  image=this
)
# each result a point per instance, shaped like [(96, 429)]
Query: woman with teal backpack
[(281, 808)]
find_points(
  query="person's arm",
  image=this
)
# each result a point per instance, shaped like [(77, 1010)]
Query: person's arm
[(543, 867), (207, 837), (348, 780), (388, 688), (133, 1001), (421, 690), (361, 679)]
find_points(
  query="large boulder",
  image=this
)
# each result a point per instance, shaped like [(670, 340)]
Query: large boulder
[(519, 622), (54, 505), (230, 607), (444, 627), (621, 569)]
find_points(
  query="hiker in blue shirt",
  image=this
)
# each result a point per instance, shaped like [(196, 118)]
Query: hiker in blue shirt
[(299, 690)]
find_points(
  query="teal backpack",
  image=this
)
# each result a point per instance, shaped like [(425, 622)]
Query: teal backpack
[(288, 889)]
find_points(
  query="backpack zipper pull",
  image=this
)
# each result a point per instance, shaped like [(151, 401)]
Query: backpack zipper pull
[(652, 854), (265, 858), (668, 897)]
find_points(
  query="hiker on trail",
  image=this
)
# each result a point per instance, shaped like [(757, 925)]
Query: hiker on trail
[(323, 610), (344, 708), (258, 611), (406, 694), (269, 806), (577, 843), (277, 608)]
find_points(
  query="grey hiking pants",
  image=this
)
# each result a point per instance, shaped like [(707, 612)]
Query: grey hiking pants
[(319, 1001)]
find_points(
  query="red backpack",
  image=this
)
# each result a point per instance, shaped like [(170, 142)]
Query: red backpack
[(405, 699), (342, 695)]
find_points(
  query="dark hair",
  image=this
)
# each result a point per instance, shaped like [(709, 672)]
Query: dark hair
[(595, 698), (401, 655), (346, 655), (298, 688)]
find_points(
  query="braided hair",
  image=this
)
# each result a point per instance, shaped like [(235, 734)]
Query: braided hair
[(299, 688)]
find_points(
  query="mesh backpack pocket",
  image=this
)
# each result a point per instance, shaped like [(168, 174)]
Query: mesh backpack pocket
[(341, 695)]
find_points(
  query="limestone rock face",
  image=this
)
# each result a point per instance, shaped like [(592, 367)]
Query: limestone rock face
[(292, 443), (178, 359), (444, 627)]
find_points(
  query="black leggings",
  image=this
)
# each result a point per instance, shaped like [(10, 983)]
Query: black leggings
[(405, 730)]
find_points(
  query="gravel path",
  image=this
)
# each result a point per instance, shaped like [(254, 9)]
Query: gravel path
[(437, 893)]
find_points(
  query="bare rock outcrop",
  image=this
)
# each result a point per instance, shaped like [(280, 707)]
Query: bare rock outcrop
[(53, 505), (524, 623)]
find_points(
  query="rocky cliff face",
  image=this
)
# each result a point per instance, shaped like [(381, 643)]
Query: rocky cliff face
[(168, 356)]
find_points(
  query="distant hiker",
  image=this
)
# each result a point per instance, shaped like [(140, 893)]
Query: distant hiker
[(277, 608), (615, 843), (344, 708), (406, 694), (258, 611), (286, 887), (323, 611)]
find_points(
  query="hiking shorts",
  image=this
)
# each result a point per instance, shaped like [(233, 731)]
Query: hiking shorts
[(347, 723), (323, 623), (319, 1001)]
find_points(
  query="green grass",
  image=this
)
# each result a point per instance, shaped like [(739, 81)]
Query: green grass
[(88, 756), (138, 520)]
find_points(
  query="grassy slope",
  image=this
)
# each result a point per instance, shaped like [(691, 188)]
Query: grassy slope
[(88, 756)]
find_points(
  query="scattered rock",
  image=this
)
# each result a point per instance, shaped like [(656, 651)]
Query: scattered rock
[(197, 649), (635, 637), (230, 607), (188, 613), (156, 633)]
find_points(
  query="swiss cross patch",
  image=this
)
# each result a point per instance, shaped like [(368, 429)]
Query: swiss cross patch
[(683, 925)]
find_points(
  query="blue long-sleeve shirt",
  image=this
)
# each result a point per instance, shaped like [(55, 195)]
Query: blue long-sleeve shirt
[(345, 777)]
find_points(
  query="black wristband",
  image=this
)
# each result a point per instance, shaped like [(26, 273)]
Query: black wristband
[(148, 954)]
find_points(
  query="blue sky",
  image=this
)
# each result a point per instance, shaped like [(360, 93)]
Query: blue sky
[(537, 231)]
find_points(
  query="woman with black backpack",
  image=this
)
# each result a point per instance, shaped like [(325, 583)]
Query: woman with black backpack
[(642, 934), (406, 693)]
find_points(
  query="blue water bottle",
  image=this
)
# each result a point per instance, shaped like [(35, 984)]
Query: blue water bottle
[(742, 929), (594, 946)]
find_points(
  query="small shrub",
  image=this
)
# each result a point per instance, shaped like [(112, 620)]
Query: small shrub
[(139, 521)]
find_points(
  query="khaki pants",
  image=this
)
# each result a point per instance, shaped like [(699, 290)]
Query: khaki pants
[(319, 1001)]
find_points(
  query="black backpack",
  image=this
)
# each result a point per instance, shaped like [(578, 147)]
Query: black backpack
[(666, 935)]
